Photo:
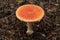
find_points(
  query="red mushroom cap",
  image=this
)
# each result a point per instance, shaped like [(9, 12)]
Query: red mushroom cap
[(29, 13)]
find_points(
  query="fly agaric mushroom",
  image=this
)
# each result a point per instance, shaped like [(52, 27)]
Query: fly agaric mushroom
[(29, 13)]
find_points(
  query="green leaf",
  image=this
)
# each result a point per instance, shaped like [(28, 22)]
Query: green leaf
[(19, 0)]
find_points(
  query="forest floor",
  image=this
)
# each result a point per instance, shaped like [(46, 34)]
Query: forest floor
[(13, 29)]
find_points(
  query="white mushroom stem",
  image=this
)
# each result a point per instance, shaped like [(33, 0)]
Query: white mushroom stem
[(29, 28)]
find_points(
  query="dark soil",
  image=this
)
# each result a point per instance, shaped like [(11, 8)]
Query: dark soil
[(13, 29)]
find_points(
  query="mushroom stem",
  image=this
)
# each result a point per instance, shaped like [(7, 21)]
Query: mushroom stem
[(29, 28)]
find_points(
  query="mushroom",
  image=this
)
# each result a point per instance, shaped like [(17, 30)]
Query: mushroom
[(29, 13)]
